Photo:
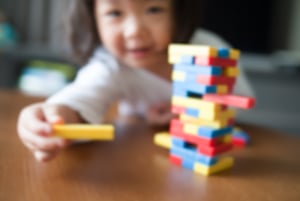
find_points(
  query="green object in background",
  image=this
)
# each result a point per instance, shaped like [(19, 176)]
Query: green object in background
[(43, 78)]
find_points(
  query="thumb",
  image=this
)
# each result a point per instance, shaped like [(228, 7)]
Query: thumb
[(52, 115)]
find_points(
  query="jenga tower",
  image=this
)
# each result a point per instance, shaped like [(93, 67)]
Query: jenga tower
[(203, 80)]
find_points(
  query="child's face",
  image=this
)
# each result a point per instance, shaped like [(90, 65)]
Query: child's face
[(137, 32)]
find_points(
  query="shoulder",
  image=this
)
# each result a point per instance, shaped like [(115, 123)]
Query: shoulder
[(206, 37), (102, 66)]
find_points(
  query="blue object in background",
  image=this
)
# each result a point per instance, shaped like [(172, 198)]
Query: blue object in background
[(8, 36)]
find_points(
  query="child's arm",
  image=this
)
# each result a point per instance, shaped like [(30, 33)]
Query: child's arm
[(35, 128)]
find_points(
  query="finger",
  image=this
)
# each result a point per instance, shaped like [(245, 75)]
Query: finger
[(163, 119), (44, 156), (160, 119), (33, 119), (162, 108), (42, 143), (52, 114)]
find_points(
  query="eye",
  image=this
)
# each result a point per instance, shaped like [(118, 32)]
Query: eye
[(114, 13), (155, 9)]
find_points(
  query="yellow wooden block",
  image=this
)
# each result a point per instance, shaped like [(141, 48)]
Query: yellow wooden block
[(227, 138), (209, 116), (173, 59), (196, 103), (234, 54), (175, 51), (231, 113), (220, 123), (183, 49), (178, 75), (222, 164), (222, 89), (216, 115), (231, 71), (190, 129), (163, 139), (84, 131)]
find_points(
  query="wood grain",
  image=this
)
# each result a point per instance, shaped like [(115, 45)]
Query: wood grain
[(132, 168)]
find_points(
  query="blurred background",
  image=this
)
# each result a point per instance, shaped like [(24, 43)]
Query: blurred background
[(33, 51)]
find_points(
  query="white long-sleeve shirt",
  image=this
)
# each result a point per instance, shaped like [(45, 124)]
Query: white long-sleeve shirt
[(104, 80)]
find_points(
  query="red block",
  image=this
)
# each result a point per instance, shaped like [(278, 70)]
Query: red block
[(215, 80), (211, 61), (238, 143), (199, 141), (231, 100), (175, 160), (176, 124), (177, 109), (213, 151)]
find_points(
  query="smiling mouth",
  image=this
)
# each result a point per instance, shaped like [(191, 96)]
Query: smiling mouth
[(139, 52)]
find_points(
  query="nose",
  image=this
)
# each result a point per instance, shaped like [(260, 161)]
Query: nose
[(134, 27)]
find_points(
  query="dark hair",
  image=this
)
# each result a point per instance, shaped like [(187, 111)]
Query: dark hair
[(82, 32)]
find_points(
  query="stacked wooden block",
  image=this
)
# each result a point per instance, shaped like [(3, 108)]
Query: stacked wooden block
[(203, 79)]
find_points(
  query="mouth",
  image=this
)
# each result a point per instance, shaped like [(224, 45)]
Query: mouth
[(139, 52)]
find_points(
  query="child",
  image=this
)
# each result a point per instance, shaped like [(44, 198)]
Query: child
[(124, 45)]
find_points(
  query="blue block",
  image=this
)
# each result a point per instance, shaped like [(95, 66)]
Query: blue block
[(178, 91), (188, 164), (241, 134), (195, 87), (223, 52), (191, 153), (192, 112), (185, 93), (187, 59), (200, 70), (177, 142), (212, 132), (189, 77)]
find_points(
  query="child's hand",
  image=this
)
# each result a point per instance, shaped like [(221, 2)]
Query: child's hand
[(35, 128), (159, 114)]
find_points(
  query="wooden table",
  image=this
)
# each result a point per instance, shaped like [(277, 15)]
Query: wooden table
[(133, 168)]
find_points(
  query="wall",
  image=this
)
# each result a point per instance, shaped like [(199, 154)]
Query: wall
[(39, 22), (294, 33)]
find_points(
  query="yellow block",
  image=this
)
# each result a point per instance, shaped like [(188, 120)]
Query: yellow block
[(190, 129), (174, 59), (196, 103), (183, 49), (84, 131), (175, 51), (216, 115), (234, 54), (163, 139), (178, 75), (231, 71), (222, 164), (227, 138), (222, 89), (220, 123)]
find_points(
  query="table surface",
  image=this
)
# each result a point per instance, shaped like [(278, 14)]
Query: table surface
[(132, 168)]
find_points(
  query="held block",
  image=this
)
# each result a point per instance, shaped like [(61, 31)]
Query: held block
[(84, 131)]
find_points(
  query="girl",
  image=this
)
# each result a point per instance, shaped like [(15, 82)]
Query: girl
[(123, 44)]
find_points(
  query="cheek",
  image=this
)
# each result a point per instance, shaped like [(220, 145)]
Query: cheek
[(164, 33), (111, 40)]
